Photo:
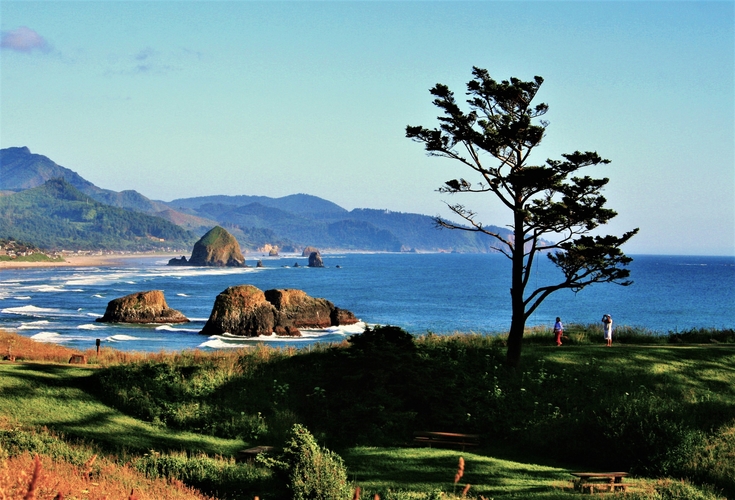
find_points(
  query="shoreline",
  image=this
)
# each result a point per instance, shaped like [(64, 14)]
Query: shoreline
[(84, 260)]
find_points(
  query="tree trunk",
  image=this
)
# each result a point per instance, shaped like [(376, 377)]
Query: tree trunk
[(518, 320), (515, 340)]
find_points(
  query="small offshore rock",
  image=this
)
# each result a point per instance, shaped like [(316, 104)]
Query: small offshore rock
[(141, 307), (315, 260), (178, 262)]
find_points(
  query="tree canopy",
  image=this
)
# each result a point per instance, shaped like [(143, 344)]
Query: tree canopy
[(555, 211)]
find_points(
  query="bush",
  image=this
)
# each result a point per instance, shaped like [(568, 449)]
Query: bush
[(668, 489), (222, 477), (311, 472)]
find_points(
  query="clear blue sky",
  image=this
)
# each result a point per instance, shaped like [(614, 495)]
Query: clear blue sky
[(181, 99)]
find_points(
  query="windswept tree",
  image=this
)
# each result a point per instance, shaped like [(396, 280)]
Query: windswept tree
[(554, 209)]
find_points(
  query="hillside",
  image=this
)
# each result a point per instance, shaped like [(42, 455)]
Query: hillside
[(56, 215), (20, 170), (301, 220), (289, 223)]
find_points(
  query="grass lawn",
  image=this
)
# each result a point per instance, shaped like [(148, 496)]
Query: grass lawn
[(432, 469), (57, 396), (628, 383)]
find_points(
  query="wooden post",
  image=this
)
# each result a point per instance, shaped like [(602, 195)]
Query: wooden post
[(98, 346)]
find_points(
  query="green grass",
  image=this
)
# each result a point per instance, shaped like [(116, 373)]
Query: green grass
[(59, 397), (379, 470), (657, 409)]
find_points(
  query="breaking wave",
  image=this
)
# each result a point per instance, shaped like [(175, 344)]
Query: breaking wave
[(120, 338)]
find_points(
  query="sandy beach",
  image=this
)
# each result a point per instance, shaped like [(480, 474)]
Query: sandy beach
[(83, 260)]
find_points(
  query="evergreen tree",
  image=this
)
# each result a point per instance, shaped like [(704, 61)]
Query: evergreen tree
[(546, 201)]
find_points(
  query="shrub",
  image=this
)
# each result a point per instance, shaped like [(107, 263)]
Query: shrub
[(311, 472), (212, 475), (382, 337), (668, 489)]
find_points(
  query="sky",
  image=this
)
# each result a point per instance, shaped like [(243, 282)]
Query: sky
[(178, 99)]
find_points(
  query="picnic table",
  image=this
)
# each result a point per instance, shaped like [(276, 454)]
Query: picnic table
[(452, 439), (603, 481)]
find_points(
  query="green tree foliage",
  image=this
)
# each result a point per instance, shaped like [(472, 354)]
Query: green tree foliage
[(546, 201), (57, 215)]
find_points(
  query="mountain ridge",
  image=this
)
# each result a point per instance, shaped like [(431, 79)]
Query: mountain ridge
[(288, 223), (56, 215)]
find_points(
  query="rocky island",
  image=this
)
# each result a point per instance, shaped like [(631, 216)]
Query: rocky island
[(217, 248), (247, 311), (141, 307)]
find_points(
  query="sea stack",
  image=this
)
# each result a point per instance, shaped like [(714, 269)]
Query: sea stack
[(246, 311), (315, 260), (217, 248), (141, 307)]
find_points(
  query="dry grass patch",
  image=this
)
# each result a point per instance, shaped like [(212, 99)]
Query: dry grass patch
[(26, 477)]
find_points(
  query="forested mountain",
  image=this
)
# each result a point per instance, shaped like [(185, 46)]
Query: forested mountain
[(300, 204), (56, 215), (20, 169), (289, 223)]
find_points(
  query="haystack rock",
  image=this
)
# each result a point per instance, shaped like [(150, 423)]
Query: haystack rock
[(217, 248), (241, 310), (308, 251), (141, 307), (315, 260), (247, 311)]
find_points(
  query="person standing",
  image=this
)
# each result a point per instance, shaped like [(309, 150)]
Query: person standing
[(607, 328), (558, 331)]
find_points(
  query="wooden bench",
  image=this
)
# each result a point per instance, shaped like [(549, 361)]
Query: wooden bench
[(451, 439), (601, 481)]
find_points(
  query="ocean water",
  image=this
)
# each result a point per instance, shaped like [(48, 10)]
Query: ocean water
[(440, 293)]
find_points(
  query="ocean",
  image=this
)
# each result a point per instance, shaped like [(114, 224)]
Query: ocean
[(421, 293)]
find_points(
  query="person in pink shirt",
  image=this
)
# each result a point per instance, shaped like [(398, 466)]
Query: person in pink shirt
[(558, 331)]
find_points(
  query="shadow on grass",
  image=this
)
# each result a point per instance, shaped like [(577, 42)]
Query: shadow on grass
[(423, 469), (60, 398)]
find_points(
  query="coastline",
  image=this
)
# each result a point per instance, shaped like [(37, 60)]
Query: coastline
[(84, 260)]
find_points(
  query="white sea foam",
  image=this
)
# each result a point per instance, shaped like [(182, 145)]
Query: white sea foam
[(30, 310), (182, 295), (358, 327), (120, 338), (307, 334), (95, 280), (202, 320), (182, 272), (53, 289), (98, 296), (227, 335), (23, 297), (91, 326), (94, 315), (222, 344), (34, 325), (170, 328), (48, 288), (52, 337)]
